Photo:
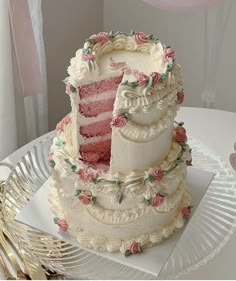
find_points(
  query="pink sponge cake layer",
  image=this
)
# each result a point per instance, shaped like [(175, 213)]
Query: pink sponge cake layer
[(100, 128), (90, 90), (94, 108), (98, 152)]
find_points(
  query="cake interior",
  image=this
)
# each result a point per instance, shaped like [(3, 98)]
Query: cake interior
[(96, 104)]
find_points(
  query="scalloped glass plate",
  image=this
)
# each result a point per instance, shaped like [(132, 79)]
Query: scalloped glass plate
[(206, 233)]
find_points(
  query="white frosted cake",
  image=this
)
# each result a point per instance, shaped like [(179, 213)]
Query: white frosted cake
[(119, 159)]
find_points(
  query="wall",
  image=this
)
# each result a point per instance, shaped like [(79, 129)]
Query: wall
[(185, 33), (67, 23)]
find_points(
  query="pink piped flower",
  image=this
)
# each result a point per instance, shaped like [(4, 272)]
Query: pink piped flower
[(62, 224), (180, 97), (85, 175), (88, 56), (134, 248), (180, 134), (101, 37), (119, 121), (156, 77), (65, 121), (140, 38), (143, 79), (158, 174), (186, 211), (50, 156), (85, 197), (168, 54), (68, 91), (157, 200)]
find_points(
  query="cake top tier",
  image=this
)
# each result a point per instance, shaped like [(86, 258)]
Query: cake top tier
[(142, 59)]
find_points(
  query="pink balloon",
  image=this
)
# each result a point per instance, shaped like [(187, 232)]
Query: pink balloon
[(182, 5)]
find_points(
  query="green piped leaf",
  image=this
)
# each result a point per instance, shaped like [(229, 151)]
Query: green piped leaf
[(66, 80), (67, 161), (151, 178), (150, 37), (55, 220), (163, 194), (146, 202), (73, 89), (140, 249), (127, 253), (149, 83), (163, 76), (120, 198), (94, 199), (131, 33), (90, 65), (125, 82), (133, 84), (52, 163), (90, 41), (111, 34), (73, 168), (77, 192), (60, 143)]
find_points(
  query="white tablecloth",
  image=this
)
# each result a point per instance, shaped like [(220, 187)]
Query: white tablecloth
[(217, 129)]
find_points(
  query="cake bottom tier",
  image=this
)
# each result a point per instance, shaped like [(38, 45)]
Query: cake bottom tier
[(113, 230)]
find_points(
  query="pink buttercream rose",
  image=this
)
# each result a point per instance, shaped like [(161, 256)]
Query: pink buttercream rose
[(169, 54), (180, 134), (140, 38), (62, 225), (119, 121), (186, 211), (143, 79), (85, 175), (158, 174), (101, 37), (68, 92), (65, 121), (134, 248), (50, 156), (85, 197), (180, 97), (88, 56), (157, 200), (156, 77)]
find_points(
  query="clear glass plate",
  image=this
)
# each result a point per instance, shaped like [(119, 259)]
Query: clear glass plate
[(207, 232)]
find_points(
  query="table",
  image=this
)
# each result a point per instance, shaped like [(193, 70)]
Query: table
[(215, 128)]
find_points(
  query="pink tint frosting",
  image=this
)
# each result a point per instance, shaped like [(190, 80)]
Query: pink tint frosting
[(94, 108), (100, 128), (99, 87)]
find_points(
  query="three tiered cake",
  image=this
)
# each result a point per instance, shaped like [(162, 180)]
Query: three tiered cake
[(119, 159)]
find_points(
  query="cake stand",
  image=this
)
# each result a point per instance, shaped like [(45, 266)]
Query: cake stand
[(207, 232)]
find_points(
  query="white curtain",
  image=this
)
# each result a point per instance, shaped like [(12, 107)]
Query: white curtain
[(23, 117)]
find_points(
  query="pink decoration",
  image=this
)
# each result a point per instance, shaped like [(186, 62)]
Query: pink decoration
[(68, 92), (156, 77), (168, 54), (180, 134), (25, 46), (85, 197), (117, 65), (182, 5), (134, 248), (62, 225), (101, 37), (65, 121), (88, 56), (85, 175), (158, 174), (119, 121), (180, 97), (143, 79), (50, 156), (140, 38), (126, 70), (157, 200), (186, 211)]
